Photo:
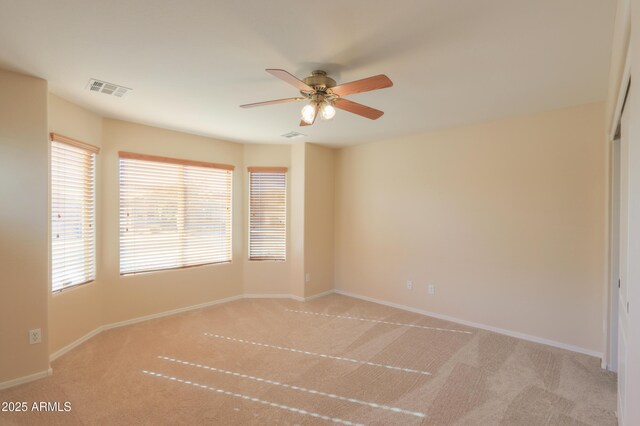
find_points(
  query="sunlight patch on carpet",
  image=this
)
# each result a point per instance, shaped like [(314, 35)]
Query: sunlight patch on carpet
[(379, 321), (338, 358), (252, 399), (297, 388)]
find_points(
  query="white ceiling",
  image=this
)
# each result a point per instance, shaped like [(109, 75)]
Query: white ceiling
[(191, 63)]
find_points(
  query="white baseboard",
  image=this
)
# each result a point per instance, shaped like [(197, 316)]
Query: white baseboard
[(170, 312), (318, 295), (510, 333), (57, 354), (26, 379), (286, 296), (268, 296)]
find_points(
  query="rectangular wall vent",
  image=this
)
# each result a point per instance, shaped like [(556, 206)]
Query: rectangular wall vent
[(293, 135), (107, 88)]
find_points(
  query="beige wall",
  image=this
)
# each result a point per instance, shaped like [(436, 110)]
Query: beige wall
[(265, 277), (318, 219), (145, 294), (77, 311), (297, 214), (506, 219), (24, 228)]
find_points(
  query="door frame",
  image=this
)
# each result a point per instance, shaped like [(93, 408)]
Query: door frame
[(610, 327), (611, 363)]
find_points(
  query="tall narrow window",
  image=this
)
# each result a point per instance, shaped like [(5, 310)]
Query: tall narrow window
[(267, 213), (73, 233), (173, 213)]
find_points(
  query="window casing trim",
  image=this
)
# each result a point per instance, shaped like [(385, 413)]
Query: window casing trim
[(128, 274), (268, 169), (169, 160), (57, 137)]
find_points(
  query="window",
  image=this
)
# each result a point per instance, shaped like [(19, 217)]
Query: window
[(173, 213), (73, 229), (267, 213)]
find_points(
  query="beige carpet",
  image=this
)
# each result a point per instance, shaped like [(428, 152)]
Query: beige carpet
[(331, 360)]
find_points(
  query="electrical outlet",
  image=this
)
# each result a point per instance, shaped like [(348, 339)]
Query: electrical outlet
[(307, 277), (431, 289), (409, 284), (35, 336)]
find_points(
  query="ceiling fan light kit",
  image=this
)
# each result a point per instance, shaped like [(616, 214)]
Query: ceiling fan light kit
[(327, 111), (309, 113), (324, 96)]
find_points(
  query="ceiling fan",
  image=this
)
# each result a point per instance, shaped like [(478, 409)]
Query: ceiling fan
[(324, 96)]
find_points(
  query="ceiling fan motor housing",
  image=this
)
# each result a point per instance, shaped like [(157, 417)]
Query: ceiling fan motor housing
[(319, 81)]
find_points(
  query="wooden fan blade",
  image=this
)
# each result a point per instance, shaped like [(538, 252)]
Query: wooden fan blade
[(275, 101), (356, 108), (291, 79), (304, 123), (365, 85)]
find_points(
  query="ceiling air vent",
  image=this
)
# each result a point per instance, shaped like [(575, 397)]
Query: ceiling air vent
[(107, 88), (293, 135)]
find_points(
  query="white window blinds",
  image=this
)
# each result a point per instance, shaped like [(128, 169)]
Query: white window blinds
[(73, 233), (173, 213), (267, 213)]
